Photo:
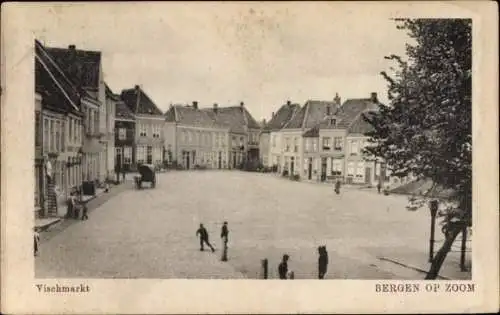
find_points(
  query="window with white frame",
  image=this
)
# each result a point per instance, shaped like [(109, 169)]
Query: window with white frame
[(190, 136), (122, 134), (326, 143), (350, 169), (156, 131), (70, 129), (287, 144), (307, 144), (360, 170), (337, 143), (354, 147), (63, 136), (127, 155), (143, 130), (140, 154), (315, 145), (336, 167), (295, 144)]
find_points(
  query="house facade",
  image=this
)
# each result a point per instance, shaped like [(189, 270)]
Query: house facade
[(301, 154), (193, 138), (84, 68), (149, 127), (124, 137), (244, 131), (271, 134), (58, 135)]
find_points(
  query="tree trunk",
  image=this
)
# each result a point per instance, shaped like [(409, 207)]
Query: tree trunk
[(438, 260)]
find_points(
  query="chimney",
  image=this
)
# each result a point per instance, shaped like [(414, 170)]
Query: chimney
[(288, 103), (72, 47), (216, 107), (195, 104), (242, 104), (136, 87), (373, 97), (337, 99)]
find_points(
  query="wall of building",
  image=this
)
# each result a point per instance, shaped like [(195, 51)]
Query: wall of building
[(264, 146), (149, 140)]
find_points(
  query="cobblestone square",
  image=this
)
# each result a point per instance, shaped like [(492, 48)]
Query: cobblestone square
[(150, 233)]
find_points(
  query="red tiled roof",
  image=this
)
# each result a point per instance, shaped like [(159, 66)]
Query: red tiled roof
[(282, 116), (50, 81), (139, 102), (82, 66), (311, 114), (360, 125), (236, 118), (191, 116)]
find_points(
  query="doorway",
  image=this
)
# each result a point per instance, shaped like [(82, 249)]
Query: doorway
[(309, 169), (323, 169), (368, 175)]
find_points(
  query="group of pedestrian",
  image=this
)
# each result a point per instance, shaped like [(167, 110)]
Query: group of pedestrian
[(74, 207), (283, 270), (285, 274), (202, 233)]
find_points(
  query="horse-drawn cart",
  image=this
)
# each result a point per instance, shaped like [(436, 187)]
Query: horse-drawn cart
[(146, 174)]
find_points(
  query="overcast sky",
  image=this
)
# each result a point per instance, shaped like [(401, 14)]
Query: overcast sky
[(260, 53)]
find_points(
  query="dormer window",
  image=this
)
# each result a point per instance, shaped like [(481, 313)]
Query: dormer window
[(332, 122)]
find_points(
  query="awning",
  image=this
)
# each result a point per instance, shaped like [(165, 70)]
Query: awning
[(92, 146)]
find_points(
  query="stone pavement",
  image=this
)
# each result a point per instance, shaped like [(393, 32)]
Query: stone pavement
[(150, 233)]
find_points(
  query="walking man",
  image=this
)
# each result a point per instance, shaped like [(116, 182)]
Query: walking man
[(224, 234), (283, 267), (322, 262), (202, 232), (123, 173), (379, 186), (337, 187)]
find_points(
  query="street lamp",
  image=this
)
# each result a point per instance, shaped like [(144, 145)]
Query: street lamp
[(433, 207)]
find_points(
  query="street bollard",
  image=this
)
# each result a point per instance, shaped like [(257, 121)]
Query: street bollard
[(264, 266)]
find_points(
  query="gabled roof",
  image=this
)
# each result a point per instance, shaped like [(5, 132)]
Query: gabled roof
[(349, 116), (123, 112), (139, 102), (236, 118), (360, 125), (110, 94), (189, 115), (311, 114), (55, 88), (82, 66), (282, 116)]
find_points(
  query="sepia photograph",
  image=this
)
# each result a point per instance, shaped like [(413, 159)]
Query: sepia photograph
[(251, 141)]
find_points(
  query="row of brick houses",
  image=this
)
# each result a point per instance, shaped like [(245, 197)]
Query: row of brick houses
[(211, 137), (323, 141), (73, 125)]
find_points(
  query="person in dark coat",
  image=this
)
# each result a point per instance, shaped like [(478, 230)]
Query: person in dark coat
[(202, 232), (379, 187), (283, 267), (322, 262), (224, 234), (117, 172), (337, 187)]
